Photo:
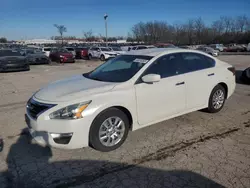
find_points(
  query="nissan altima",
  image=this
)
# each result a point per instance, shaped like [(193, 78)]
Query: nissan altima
[(126, 93)]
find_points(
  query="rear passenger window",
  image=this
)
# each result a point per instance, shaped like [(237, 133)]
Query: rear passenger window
[(195, 61)]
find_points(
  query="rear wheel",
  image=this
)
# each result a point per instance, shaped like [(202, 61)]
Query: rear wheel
[(90, 56), (109, 130), (102, 58), (217, 99)]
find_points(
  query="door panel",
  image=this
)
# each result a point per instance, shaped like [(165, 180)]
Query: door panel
[(199, 86), (161, 99)]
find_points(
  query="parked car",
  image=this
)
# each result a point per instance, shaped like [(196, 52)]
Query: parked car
[(142, 47), (103, 53), (185, 47), (165, 45), (248, 47), (37, 57), (129, 92), (245, 76), (117, 50), (12, 61), (234, 48), (219, 47), (61, 55), (82, 52), (71, 50), (47, 50), (209, 50)]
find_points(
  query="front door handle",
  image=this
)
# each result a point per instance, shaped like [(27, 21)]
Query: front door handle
[(180, 83), (212, 74)]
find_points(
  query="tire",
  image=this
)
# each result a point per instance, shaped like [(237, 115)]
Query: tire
[(97, 126), (212, 107), (90, 56), (102, 58)]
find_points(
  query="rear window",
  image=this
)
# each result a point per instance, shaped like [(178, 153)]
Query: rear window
[(46, 49)]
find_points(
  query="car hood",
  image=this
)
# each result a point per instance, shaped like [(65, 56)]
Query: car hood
[(120, 52), (72, 88), (12, 59)]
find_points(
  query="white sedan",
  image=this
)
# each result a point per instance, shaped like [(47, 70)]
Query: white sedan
[(129, 92), (103, 53)]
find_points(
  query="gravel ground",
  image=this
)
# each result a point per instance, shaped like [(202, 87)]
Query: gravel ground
[(194, 150)]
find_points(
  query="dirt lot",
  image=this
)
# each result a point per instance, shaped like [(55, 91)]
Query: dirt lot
[(194, 150)]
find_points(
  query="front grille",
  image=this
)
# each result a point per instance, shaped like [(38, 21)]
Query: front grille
[(35, 108)]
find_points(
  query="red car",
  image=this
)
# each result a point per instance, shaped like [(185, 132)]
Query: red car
[(61, 55), (82, 52)]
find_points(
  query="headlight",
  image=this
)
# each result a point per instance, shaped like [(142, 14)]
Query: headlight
[(74, 111), (61, 56)]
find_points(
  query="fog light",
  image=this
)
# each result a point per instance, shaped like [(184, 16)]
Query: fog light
[(61, 138)]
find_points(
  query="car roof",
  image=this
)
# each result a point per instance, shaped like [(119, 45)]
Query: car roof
[(157, 51)]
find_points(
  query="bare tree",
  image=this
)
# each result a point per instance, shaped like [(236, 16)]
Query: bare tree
[(61, 29), (88, 35), (241, 23), (199, 27)]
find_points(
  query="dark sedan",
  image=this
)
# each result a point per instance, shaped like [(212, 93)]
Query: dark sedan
[(61, 55), (12, 61), (37, 57)]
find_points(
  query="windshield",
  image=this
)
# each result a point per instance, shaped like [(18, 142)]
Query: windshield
[(62, 50), (9, 53), (70, 49), (119, 69), (105, 49), (117, 49)]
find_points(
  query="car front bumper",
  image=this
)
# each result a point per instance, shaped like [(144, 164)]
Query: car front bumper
[(109, 56), (14, 67), (65, 134)]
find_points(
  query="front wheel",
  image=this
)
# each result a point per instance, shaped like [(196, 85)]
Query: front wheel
[(109, 130), (217, 99), (90, 56)]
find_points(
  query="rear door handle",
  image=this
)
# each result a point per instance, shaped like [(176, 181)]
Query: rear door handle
[(212, 74), (180, 83)]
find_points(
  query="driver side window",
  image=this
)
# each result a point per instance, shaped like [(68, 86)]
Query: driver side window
[(167, 66)]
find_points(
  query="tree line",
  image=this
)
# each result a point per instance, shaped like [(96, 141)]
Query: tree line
[(225, 30)]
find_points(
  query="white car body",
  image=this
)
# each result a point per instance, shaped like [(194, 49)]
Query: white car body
[(46, 50), (142, 47), (71, 50), (118, 52), (97, 52), (146, 103)]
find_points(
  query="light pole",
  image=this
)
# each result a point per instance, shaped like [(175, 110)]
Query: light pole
[(106, 28)]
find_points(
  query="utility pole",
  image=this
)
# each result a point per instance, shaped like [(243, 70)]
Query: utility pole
[(106, 28)]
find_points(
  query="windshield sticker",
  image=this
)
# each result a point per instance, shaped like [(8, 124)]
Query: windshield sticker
[(140, 60)]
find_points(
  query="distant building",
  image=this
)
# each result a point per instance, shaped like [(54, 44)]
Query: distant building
[(39, 41)]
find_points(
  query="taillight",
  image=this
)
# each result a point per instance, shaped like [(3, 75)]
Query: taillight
[(232, 69)]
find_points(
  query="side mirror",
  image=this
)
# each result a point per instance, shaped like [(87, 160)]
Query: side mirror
[(151, 78)]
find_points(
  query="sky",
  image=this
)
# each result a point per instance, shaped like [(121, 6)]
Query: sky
[(33, 19)]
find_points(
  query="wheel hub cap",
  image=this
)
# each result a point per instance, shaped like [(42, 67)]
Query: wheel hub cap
[(218, 99), (111, 131)]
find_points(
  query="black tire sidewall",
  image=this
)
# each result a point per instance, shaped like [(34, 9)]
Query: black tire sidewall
[(211, 108), (94, 130), (102, 58), (90, 56)]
